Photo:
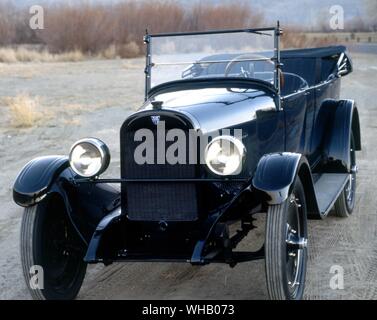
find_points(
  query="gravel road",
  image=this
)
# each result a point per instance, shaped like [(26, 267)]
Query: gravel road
[(92, 98)]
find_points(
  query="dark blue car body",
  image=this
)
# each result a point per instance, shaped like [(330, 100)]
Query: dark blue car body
[(181, 213)]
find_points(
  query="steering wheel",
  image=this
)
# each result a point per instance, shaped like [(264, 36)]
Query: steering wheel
[(251, 72), (246, 57)]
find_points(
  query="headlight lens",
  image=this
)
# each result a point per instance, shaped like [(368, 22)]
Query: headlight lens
[(225, 155), (89, 157)]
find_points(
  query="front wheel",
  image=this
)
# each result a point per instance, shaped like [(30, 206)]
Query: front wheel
[(286, 246), (51, 251)]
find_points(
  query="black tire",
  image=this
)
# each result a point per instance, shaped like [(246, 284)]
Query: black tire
[(49, 240), (345, 203), (286, 246)]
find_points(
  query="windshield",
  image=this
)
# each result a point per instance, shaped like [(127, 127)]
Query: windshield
[(246, 54)]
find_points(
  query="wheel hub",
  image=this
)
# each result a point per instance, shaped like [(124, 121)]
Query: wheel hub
[(296, 243)]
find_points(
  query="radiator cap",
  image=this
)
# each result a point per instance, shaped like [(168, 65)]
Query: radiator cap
[(157, 105), (163, 225)]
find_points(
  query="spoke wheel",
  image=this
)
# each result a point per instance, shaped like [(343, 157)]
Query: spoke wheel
[(286, 246), (49, 240), (345, 203)]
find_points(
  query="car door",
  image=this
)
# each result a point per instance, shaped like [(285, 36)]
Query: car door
[(297, 119), (325, 89), (299, 107)]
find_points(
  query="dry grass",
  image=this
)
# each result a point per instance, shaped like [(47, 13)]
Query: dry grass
[(74, 109), (72, 122), (70, 56), (295, 39), (21, 54), (109, 53), (129, 50), (124, 51), (133, 64), (23, 110)]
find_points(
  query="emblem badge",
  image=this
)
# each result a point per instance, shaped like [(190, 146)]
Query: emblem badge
[(155, 119)]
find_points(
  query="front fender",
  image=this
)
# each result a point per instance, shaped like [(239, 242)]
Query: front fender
[(36, 178), (276, 173), (275, 176), (85, 203)]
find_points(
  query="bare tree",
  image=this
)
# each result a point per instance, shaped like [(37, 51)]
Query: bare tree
[(371, 12), (7, 23)]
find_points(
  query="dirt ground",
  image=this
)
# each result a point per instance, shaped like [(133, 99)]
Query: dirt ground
[(92, 98)]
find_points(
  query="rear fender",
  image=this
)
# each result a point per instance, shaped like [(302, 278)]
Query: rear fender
[(346, 120)]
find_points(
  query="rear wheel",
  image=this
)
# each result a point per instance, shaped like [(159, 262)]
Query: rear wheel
[(286, 246), (50, 245), (345, 203)]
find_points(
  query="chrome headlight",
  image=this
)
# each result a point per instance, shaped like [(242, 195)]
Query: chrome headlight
[(225, 155), (89, 157)]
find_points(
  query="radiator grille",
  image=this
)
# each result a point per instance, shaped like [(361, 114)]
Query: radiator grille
[(156, 201)]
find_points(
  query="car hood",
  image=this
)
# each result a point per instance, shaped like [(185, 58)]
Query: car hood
[(215, 108)]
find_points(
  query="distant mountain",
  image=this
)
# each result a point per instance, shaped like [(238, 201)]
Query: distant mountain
[(306, 13)]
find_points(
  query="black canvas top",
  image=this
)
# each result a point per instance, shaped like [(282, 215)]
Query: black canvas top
[(313, 52)]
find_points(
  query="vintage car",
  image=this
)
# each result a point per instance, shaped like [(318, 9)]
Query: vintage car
[(231, 126)]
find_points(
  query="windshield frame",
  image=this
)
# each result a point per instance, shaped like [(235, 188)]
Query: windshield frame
[(148, 40)]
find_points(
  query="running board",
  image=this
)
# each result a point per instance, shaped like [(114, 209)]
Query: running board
[(328, 187)]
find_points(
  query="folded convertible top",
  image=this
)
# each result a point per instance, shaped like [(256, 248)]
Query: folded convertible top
[(313, 52)]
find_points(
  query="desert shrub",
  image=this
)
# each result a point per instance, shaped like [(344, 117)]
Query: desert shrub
[(23, 110), (117, 30), (83, 27), (7, 55), (109, 53), (129, 50)]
